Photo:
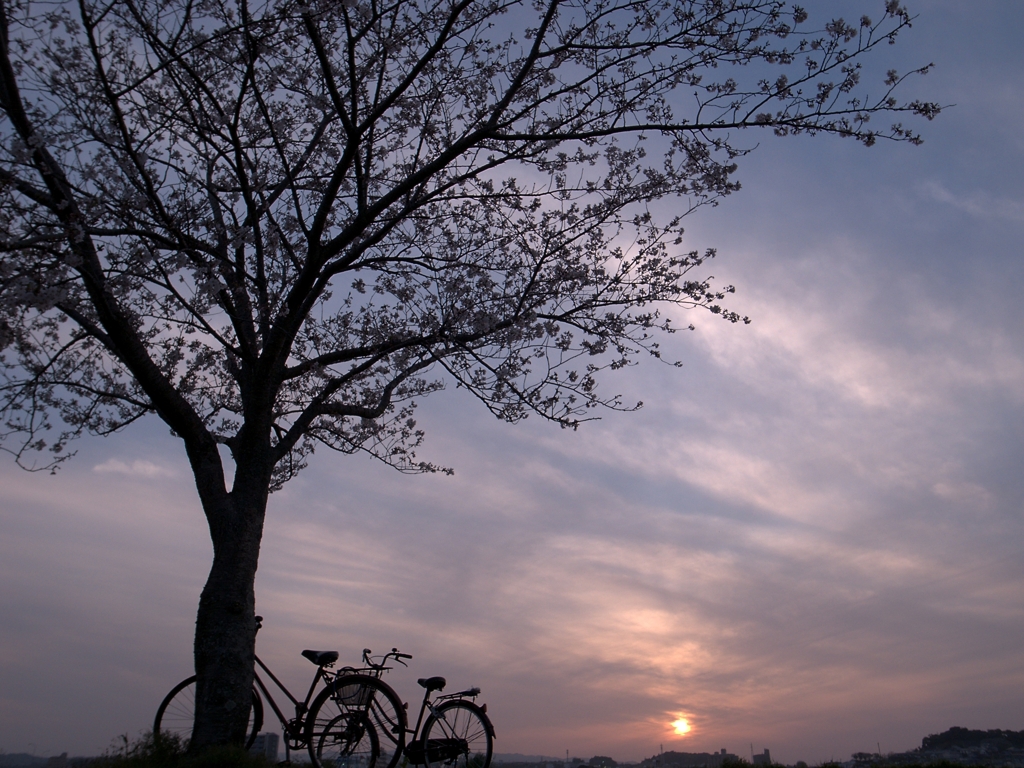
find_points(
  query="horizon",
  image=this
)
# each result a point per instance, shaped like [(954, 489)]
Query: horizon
[(518, 758)]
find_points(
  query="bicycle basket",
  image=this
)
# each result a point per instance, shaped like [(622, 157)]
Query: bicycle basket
[(353, 696)]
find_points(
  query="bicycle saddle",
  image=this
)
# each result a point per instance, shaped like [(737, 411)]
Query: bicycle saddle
[(433, 683), (321, 658)]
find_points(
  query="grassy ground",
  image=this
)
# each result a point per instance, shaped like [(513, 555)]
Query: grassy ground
[(169, 752)]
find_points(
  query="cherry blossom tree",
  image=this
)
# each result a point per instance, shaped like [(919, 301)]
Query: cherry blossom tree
[(276, 224)]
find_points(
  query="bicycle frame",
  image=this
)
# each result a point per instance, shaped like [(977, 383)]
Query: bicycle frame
[(294, 727)]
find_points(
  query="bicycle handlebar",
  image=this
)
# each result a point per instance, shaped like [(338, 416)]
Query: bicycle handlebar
[(392, 654)]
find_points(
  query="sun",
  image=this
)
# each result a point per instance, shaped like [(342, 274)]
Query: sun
[(681, 726)]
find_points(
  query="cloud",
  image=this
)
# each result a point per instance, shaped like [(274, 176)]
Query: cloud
[(809, 538), (592, 570), (980, 203), (138, 468)]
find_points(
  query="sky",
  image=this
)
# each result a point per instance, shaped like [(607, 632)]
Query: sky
[(810, 539)]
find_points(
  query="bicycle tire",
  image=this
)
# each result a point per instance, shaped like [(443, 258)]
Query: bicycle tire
[(458, 734), (348, 741), (368, 695), (176, 713)]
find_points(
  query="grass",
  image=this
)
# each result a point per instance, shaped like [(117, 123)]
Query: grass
[(163, 751)]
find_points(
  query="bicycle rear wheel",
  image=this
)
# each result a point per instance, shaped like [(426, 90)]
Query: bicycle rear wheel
[(365, 695), (176, 714), (458, 735)]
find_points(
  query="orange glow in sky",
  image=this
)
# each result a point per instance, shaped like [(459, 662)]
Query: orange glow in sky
[(681, 726)]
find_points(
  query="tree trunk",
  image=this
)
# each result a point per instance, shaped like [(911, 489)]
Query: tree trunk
[(225, 640)]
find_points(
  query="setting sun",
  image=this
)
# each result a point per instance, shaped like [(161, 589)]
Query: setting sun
[(681, 726)]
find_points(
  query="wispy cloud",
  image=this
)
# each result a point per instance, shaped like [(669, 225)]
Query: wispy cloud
[(137, 468), (978, 203)]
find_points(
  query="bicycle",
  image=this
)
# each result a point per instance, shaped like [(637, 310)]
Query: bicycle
[(456, 734), (341, 733)]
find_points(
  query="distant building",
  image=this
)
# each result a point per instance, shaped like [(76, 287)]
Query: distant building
[(765, 759), (266, 744)]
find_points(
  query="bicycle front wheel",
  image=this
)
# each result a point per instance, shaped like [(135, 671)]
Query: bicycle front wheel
[(364, 695), (176, 714), (458, 735), (348, 741)]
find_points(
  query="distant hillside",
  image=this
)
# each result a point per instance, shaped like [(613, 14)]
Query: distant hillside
[(970, 739), (20, 760), (958, 745)]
